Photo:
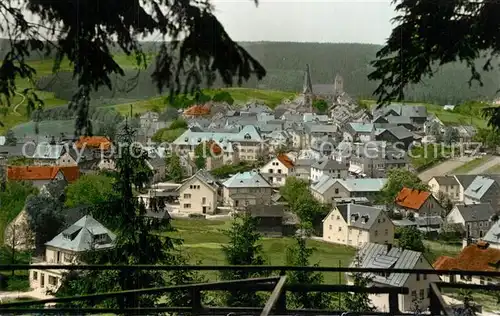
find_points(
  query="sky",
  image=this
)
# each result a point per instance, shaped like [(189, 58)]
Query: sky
[(334, 21)]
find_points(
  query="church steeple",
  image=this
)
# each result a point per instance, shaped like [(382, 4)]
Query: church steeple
[(307, 89)]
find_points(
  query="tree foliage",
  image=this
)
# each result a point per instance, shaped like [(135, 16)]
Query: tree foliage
[(90, 189), (358, 302), (415, 48), (223, 96), (134, 244), (46, 219), (320, 105), (174, 171), (410, 238), (10, 138), (182, 64), (450, 135), (398, 179), (243, 248), (298, 255)]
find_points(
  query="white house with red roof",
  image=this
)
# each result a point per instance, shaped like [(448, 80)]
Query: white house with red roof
[(278, 169)]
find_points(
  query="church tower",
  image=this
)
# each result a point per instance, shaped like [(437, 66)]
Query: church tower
[(339, 84), (307, 90)]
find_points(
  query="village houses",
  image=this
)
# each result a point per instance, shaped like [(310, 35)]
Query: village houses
[(331, 190), (278, 169), (418, 203), (328, 167), (355, 225), (447, 185), (475, 219), (84, 235), (41, 175), (247, 188), (201, 194), (385, 256)]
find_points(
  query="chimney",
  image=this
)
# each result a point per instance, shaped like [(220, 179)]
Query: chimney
[(389, 247)]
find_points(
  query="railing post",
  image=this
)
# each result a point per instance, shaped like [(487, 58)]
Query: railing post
[(394, 304), (434, 306), (196, 300)]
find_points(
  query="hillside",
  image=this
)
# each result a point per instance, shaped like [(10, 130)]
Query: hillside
[(285, 63)]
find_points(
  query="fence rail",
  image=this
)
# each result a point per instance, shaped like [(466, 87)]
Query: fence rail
[(277, 285)]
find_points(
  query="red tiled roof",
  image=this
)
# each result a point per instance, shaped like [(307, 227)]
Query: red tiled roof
[(71, 173), (412, 199), (93, 142), (472, 258), (200, 109), (285, 160), (31, 173)]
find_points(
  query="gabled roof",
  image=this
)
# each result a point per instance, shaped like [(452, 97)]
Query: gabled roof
[(359, 216), (476, 257), (285, 160), (329, 164), (82, 236), (249, 179), (386, 257), (446, 180), (31, 173), (493, 234), (412, 199), (400, 132), (478, 187), (205, 177), (362, 127), (247, 133), (325, 182), (266, 210), (93, 142), (475, 212)]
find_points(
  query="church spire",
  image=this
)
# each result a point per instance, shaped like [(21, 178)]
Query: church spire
[(307, 81)]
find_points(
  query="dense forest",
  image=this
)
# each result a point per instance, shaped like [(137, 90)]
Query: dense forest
[(285, 63)]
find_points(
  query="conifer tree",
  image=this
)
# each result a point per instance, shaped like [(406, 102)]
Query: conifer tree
[(243, 248), (298, 255), (135, 243)]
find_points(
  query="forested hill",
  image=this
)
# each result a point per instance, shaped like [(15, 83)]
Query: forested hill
[(285, 63)]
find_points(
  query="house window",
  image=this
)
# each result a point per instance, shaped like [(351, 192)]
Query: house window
[(386, 232), (414, 294), (35, 275), (340, 229), (338, 217), (376, 233), (422, 294), (187, 205), (418, 277), (425, 276), (204, 200), (378, 221), (187, 196), (336, 191), (330, 227), (481, 280), (52, 280)]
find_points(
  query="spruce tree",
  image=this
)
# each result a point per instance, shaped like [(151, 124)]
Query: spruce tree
[(243, 248), (358, 302), (298, 255), (135, 241)]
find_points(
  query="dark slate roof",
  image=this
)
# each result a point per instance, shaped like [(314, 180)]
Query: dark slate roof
[(163, 213), (476, 212), (465, 179), (386, 257), (400, 132), (16, 151), (359, 216), (329, 164), (446, 180), (266, 210)]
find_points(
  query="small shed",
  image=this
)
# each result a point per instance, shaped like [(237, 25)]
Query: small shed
[(270, 219)]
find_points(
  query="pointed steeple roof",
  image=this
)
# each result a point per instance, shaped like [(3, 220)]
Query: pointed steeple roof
[(307, 81)]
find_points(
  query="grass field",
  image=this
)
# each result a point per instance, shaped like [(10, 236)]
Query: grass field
[(471, 165), (436, 249), (240, 95), (203, 240), (493, 170), (424, 157)]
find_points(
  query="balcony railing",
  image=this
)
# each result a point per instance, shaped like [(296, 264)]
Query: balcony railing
[(277, 285)]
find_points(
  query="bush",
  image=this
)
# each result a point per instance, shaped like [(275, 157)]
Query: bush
[(223, 96), (197, 216), (227, 170)]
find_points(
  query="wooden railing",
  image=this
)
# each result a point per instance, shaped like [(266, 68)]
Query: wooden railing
[(277, 285)]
